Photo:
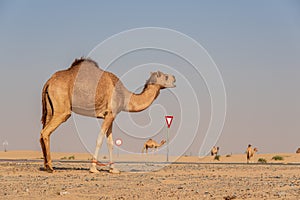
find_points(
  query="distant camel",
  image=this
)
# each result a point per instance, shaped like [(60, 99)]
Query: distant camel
[(152, 144), (298, 150), (214, 151), (250, 152), (87, 90)]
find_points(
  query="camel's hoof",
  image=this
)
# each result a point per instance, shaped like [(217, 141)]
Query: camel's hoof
[(114, 171), (49, 169), (94, 170)]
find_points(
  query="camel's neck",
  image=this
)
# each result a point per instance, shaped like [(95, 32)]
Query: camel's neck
[(160, 144), (139, 102)]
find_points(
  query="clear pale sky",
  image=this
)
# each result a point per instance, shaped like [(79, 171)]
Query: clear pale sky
[(255, 44)]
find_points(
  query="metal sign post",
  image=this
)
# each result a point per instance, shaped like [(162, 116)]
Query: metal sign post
[(169, 120), (5, 144), (168, 145)]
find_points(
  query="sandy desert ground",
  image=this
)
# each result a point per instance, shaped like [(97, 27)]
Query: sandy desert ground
[(145, 178)]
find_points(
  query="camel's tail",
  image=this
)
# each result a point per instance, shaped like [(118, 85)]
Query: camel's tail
[(45, 100)]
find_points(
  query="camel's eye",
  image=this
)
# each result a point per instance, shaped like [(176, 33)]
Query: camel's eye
[(167, 77)]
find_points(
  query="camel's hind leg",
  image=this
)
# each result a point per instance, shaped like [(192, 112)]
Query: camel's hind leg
[(44, 150), (56, 120), (48, 118)]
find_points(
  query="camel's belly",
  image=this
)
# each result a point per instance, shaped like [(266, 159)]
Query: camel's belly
[(89, 112)]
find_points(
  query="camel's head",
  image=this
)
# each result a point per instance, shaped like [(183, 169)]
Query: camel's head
[(255, 149), (163, 142), (164, 80)]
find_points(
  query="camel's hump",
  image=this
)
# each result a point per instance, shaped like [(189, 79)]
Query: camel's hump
[(79, 61)]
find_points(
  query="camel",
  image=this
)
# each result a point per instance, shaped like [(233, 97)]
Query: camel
[(87, 90), (250, 152), (214, 151), (298, 150), (152, 144)]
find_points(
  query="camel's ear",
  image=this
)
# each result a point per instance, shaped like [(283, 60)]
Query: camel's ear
[(152, 78)]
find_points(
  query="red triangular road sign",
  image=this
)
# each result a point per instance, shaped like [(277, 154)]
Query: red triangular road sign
[(169, 120)]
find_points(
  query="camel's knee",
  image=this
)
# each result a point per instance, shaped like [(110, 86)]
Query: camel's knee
[(44, 136)]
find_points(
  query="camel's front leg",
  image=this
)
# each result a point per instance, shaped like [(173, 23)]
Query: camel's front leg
[(99, 142), (104, 129), (110, 144)]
